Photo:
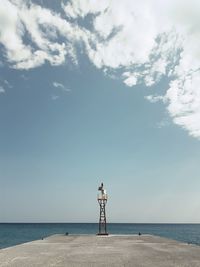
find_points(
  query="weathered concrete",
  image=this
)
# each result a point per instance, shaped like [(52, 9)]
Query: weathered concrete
[(91, 250)]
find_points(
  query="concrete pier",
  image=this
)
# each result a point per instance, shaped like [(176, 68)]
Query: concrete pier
[(112, 250)]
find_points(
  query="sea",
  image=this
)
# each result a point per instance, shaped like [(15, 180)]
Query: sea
[(17, 233)]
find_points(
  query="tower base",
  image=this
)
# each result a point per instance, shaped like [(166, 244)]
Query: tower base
[(102, 234)]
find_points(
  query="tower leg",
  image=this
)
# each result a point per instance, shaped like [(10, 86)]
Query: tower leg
[(102, 218)]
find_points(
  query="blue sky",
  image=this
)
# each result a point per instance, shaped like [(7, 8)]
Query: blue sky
[(81, 104)]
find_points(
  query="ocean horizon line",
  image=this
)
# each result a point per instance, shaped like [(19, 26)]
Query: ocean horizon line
[(98, 222)]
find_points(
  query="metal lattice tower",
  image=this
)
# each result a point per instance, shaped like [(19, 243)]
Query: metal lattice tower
[(102, 199)]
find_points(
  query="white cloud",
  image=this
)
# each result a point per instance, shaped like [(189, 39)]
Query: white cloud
[(7, 84), (61, 86), (155, 98), (56, 84), (141, 40), (81, 8), (11, 32), (184, 102), (163, 123), (2, 90), (44, 27), (130, 79), (54, 97), (24, 77), (146, 40)]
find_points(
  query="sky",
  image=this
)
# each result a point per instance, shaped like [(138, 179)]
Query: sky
[(100, 91)]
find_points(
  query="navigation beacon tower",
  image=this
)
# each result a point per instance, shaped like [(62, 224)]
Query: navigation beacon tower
[(102, 199)]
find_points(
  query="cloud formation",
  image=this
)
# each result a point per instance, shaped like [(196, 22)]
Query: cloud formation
[(54, 97), (141, 40), (155, 98), (20, 20), (61, 86), (2, 90)]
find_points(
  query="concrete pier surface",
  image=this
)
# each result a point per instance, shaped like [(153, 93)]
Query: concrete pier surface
[(112, 250)]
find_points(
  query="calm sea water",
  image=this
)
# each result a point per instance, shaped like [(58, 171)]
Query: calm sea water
[(17, 233)]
